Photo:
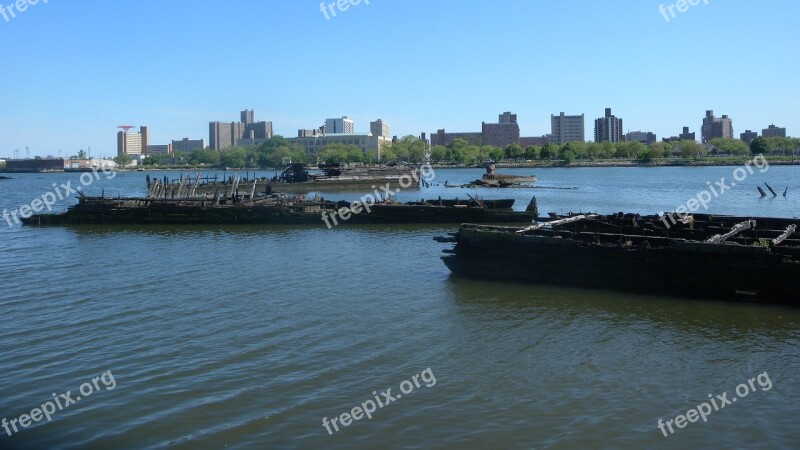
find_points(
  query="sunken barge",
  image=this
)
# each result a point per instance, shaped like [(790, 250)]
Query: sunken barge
[(296, 179), (167, 204), (273, 209), (720, 257)]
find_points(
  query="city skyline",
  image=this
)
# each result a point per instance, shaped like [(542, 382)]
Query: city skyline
[(83, 102)]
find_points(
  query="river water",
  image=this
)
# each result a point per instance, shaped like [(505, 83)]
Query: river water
[(251, 337)]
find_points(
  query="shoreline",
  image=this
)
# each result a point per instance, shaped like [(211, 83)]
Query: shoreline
[(676, 162)]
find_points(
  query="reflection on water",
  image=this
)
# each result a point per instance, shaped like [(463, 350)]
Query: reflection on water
[(247, 337)]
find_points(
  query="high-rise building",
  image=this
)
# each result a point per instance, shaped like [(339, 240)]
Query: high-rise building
[(507, 117), (608, 128), (748, 136), (773, 131), (566, 129), (339, 126), (159, 150), (379, 128), (443, 138), (645, 137), (364, 141), (129, 143), (187, 145), (308, 133), (685, 136), (248, 116), (716, 127), (258, 130), (501, 134), (535, 141), (222, 135)]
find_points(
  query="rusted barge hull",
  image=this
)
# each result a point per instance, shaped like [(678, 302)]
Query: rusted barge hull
[(154, 211), (640, 254)]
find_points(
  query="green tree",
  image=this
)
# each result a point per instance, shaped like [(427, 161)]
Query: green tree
[(646, 155), (388, 155), (513, 151), (549, 151), (568, 148), (759, 146), (629, 149), (82, 154), (730, 146), (203, 156), (235, 158), (568, 157), (532, 152), (657, 150), (438, 153), (123, 160), (691, 149)]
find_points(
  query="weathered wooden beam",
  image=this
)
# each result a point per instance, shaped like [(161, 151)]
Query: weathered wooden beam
[(786, 234), (556, 223), (771, 190), (738, 228)]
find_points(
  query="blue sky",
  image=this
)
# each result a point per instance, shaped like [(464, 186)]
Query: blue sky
[(76, 69)]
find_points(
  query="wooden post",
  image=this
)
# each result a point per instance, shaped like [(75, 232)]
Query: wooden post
[(771, 190)]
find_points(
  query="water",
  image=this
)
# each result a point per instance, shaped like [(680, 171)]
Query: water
[(247, 337)]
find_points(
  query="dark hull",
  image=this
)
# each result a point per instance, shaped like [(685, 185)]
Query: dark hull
[(686, 269), (332, 185), (170, 214)]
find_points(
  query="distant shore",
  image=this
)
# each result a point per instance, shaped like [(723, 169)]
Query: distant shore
[(671, 162), (668, 162)]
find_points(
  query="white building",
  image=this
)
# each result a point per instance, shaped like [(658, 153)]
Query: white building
[(364, 141), (101, 164), (339, 126)]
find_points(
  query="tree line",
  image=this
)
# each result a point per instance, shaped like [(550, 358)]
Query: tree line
[(278, 152)]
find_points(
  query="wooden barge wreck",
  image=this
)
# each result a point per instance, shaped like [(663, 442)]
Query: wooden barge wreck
[(296, 179), (277, 209), (708, 256)]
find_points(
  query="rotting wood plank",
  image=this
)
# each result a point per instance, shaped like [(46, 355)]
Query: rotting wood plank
[(790, 230), (738, 228)]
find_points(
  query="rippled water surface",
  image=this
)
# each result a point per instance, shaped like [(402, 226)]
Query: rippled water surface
[(247, 337)]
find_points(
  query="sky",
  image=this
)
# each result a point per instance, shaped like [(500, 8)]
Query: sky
[(74, 70)]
